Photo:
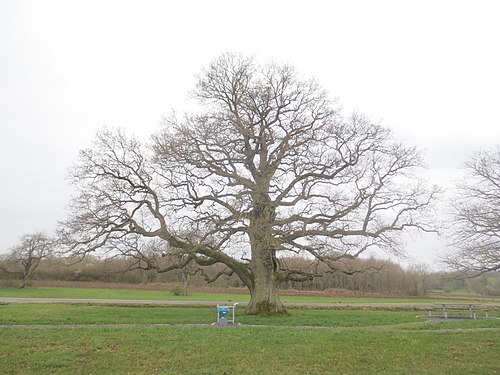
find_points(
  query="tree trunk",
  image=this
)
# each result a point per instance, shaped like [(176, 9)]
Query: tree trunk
[(24, 281), (264, 299), (185, 283), (264, 295)]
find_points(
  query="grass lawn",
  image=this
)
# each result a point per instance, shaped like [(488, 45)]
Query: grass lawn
[(93, 293), (53, 314), (342, 342), (247, 351)]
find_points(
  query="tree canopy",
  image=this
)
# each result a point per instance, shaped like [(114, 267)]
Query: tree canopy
[(267, 166)]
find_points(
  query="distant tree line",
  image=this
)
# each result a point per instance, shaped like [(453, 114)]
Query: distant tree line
[(368, 276)]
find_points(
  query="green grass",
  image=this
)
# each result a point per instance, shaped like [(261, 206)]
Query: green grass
[(457, 324), (247, 351), (92, 293), (344, 342), (52, 314)]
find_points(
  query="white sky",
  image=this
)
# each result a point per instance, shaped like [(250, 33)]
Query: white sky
[(430, 70)]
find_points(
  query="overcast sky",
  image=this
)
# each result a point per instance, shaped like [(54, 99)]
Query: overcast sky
[(429, 70)]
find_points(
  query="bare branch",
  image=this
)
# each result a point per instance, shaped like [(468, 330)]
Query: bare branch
[(475, 229), (268, 165)]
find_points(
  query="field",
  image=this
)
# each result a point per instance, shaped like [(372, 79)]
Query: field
[(124, 339), (225, 295)]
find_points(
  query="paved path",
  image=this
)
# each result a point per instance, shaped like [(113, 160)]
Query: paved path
[(421, 305), (105, 301)]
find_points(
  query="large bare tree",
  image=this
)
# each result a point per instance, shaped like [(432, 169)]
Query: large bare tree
[(475, 230), (265, 168)]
